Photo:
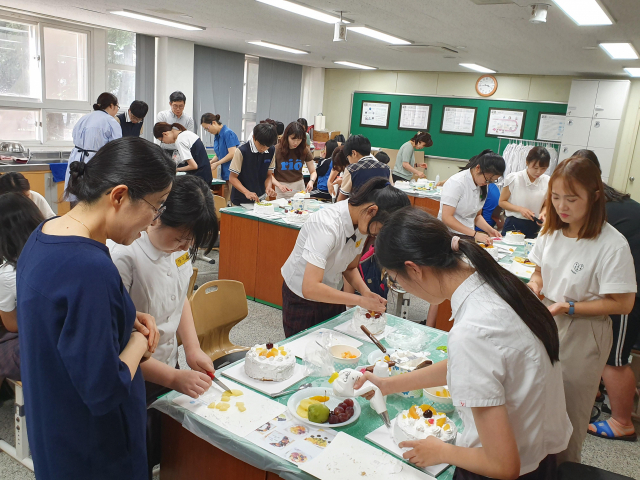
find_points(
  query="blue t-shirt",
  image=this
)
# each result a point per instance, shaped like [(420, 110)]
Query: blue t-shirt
[(324, 172), (222, 142), (87, 417), (490, 204)]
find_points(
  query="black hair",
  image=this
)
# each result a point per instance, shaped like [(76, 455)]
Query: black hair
[(162, 127), (329, 147), (14, 182), (382, 157), (265, 134), (490, 162), (304, 123), (190, 207), (19, 217), (132, 161), (422, 137), (279, 128), (105, 100), (339, 138), (340, 161), (539, 155), (414, 235), (380, 192), (139, 108), (610, 193), (177, 96), (359, 143), (209, 118)]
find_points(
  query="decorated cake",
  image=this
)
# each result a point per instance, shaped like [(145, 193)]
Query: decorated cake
[(402, 185), (374, 321), (263, 208), (269, 363), (514, 237), (300, 200), (493, 251), (297, 216), (420, 422)]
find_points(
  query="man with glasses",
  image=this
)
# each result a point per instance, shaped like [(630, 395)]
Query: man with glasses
[(177, 102), (132, 119)]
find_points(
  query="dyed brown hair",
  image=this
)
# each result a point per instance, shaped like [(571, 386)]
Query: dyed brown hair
[(340, 162), (297, 131), (423, 137), (582, 171)]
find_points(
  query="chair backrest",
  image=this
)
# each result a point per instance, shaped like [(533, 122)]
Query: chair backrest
[(217, 307), (192, 282), (219, 202)]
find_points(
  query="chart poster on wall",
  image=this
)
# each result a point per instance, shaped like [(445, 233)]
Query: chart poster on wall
[(458, 120), (505, 123), (550, 127), (414, 116), (375, 114)]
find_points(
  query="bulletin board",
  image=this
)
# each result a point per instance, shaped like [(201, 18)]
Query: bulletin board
[(446, 144)]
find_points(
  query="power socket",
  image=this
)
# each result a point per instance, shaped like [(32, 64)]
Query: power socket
[(404, 310)]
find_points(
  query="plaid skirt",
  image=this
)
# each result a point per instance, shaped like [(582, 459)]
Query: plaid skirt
[(546, 471), (10, 359), (298, 313)]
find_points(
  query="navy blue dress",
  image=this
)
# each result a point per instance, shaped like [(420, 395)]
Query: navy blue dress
[(86, 416)]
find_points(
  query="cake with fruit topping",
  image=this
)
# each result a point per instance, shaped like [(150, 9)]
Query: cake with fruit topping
[(263, 208), (422, 421), (514, 237), (269, 363), (493, 251), (374, 321), (297, 216)]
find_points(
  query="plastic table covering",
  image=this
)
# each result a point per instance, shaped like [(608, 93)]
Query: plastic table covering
[(369, 420)]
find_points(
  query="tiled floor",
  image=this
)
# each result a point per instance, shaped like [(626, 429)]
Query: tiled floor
[(265, 322)]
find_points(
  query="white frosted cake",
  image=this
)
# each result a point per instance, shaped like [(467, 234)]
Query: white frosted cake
[(263, 208), (514, 237), (302, 195), (301, 200), (297, 216), (269, 363), (493, 251), (374, 321), (402, 185), (420, 422)]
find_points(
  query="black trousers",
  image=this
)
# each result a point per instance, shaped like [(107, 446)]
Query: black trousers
[(154, 426), (529, 227), (397, 177), (547, 470)]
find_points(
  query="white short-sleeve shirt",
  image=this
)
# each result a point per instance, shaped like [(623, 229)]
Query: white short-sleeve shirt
[(42, 204), (526, 193), (184, 142), (462, 193), (7, 288), (586, 269), (157, 283), (327, 240), (495, 359)]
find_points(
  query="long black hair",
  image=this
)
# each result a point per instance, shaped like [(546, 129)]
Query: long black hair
[(610, 193), (414, 235), (19, 217), (132, 161), (190, 208), (379, 191), (14, 182), (490, 162)]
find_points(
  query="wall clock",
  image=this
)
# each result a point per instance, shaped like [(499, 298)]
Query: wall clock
[(486, 85)]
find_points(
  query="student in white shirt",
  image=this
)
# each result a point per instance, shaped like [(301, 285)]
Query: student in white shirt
[(463, 196), (193, 158), (156, 269), (18, 183), (503, 371), (586, 273), (329, 246), (524, 193)]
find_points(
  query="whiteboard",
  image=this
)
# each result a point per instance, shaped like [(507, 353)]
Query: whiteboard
[(505, 123), (414, 117), (375, 114), (459, 120), (550, 127)]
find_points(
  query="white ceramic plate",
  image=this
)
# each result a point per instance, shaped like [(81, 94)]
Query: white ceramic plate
[(378, 355), (333, 402)]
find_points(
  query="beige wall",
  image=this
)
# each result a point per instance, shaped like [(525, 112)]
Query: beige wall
[(628, 143)]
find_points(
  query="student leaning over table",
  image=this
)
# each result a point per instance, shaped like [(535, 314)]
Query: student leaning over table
[(503, 371), (340, 164), (156, 270), (84, 393), (291, 154), (586, 273), (405, 161), (18, 183), (328, 247)]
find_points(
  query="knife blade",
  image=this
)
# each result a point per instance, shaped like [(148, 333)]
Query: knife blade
[(218, 382)]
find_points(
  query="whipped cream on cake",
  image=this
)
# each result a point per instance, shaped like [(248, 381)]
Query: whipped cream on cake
[(269, 362), (297, 216), (420, 422), (514, 236), (263, 208), (374, 321)]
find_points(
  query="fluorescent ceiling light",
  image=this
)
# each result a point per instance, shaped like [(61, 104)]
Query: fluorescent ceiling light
[(633, 72), (477, 68), (370, 32), (152, 19), (302, 10), (278, 47), (355, 65), (620, 51), (584, 12)]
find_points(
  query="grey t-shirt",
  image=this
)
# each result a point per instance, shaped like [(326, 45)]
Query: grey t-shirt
[(405, 154)]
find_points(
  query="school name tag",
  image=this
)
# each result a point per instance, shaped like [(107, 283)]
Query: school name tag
[(358, 243), (182, 260)]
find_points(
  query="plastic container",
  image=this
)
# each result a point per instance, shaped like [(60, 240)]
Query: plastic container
[(440, 403)]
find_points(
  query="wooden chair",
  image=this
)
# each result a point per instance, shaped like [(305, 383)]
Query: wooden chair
[(192, 282), (21, 451), (217, 307), (219, 202)]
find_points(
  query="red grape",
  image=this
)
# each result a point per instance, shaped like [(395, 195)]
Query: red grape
[(349, 411), (348, 402), (333, 419), (338, 410), (343, 417)]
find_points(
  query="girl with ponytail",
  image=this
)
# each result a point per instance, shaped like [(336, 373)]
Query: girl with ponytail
[(503, 371), (329, 246), (189, 147)]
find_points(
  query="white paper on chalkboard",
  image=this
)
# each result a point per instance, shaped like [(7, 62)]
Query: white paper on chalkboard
[(551, 127), (414, 117), (505, 123), (375, 114), (458, 120)]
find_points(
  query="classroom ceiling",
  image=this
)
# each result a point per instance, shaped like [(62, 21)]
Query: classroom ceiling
[(497, 35)]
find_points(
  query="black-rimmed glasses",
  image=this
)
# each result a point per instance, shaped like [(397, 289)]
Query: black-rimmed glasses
[(157, 211)]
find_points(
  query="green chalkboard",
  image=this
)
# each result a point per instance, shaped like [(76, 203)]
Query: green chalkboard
[(446, 144)]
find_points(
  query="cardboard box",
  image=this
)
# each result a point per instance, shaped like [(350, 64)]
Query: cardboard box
[(324, 135)]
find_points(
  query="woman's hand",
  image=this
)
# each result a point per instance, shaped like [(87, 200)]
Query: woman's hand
[(542, 217), (191, 383), (526, 213), (271, 192), (252, 197), (422, 165), (199, 361), (483, 238), (424, 453), (559, 308), (535, 287), (440, 183), (495, 233), (377, 381), (283, 188), (214, 161), (146, 325), (420, 175), (310, 185), (338, 181), (372, 301)]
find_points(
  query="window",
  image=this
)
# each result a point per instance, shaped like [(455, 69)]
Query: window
[(65, 64), (121, 69), (19, 60), (59, 126), (249, 97), (21, 125)]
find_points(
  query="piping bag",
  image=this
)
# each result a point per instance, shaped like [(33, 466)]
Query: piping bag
[(343, 387)]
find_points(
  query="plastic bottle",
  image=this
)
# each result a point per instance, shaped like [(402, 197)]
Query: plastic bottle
[(437, 178)]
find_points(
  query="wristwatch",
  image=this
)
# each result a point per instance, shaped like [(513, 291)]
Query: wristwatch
[(572, 308)]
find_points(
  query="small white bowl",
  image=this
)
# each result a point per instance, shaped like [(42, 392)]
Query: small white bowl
[(441, 404), (338, 350)]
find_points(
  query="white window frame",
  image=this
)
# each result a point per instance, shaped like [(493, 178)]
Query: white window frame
[(247, 116), (115, 66)]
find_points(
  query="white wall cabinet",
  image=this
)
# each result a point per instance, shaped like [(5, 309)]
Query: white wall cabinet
[(603, 133), (582, 99), (567, 150), (611, 99), (576, 131)]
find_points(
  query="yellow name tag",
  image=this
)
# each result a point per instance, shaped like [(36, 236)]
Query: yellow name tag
[(182, 260), (358, 243)]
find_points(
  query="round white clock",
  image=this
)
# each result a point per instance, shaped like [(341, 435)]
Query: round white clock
[(486, 85)]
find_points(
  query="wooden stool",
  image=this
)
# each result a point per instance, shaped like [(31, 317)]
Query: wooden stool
[(21, 451)]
